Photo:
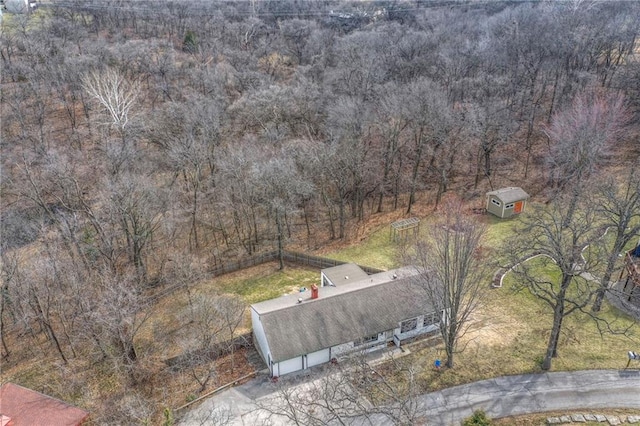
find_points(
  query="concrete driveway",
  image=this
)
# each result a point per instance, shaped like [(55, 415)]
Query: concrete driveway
[(499, 397)]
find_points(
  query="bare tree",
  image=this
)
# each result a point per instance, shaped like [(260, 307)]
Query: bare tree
[(39, 301), (114, 92), (207, 321), (198, 364), (561, 238), (8, 271), (429, 117), (353, 392), (132, 406), (453, 270), (493, 128), (189, 133), (390, 127), (134, 209), (231, 311), (582, 137), (209, 416), (619, 206), (215, 320), (350, 123), (281, 189), (239, 195), (198, 343), (119, 313)]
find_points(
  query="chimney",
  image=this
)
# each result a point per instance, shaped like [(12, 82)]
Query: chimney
[(314, 291)]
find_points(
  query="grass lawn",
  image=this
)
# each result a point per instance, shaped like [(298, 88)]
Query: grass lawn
[(510, 333), (376, 251), (268, 286), (510, 336)]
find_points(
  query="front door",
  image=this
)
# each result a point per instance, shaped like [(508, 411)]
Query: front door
[(517, 207)]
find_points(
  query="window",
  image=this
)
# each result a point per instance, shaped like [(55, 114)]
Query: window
[(365, 340), (431, 319), (508, 206), (496, 202), (370, 339), (408, 325)]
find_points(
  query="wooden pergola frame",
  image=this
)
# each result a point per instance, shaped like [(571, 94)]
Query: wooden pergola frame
[(400, 228)]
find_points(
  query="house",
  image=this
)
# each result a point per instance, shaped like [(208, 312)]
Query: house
[(351, 312), (22, 406), (631, 287), (19, 6), (506, 202), (342, 274)]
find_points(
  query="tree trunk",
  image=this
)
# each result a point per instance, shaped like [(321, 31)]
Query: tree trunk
[(551, 350), (605, 282), (450, 341), (332, 228), (193, 234), (280, 250), (307, 222), (558, 316), (414, 174), (53, 337), (552, 345), (2, 330), (342, 220), (554, 352), (553, 97)]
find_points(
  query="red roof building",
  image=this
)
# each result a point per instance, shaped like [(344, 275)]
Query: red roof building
[(20, 406)]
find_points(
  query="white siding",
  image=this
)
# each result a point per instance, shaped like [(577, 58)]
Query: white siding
[(260, 337), (287, 366), (342, 349), (319, 357), (350, 347), (375, 347)]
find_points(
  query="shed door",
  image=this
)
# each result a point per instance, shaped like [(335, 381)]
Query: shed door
[(517, 207)]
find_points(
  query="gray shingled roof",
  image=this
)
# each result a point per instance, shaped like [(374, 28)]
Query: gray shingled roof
[(341, 314), (510, 194), (338, 274)]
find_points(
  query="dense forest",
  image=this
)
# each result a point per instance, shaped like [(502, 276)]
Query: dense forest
[(145, 141)]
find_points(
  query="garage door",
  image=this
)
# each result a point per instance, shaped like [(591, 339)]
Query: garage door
[(319, 357), (289, 366)]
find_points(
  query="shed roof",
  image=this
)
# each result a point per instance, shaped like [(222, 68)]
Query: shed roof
[(27, 407), (341, 314), (509, 194), (345, 274)]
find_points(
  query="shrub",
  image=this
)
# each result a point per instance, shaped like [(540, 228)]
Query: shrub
[(479, 418)]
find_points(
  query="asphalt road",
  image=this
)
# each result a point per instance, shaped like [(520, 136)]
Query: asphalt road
[(533, 393), (499, 397)]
